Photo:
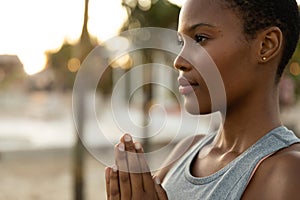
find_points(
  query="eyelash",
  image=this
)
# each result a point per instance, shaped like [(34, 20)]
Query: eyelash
[(198, 38)]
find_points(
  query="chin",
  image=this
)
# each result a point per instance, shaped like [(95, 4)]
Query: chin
[(195, 108)]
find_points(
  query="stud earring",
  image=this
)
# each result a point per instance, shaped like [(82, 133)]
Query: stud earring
[(264, 58)]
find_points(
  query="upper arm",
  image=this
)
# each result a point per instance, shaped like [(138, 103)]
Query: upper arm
[(182, 147), (277, 178), (286, 178)]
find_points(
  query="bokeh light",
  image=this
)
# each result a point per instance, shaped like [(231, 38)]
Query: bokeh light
[(295, 69), (74, 64)]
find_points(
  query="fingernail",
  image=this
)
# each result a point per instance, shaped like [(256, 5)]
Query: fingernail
[(121, 147), (127, 138), (137, 146), (114, 168), (156, 180)]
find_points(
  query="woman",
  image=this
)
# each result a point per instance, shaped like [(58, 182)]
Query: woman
[(252, 155)]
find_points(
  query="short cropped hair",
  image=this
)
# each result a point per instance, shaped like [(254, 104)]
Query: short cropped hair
[(261, 14)]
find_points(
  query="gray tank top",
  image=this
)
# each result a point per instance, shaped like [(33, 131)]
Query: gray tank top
[(229, 182)]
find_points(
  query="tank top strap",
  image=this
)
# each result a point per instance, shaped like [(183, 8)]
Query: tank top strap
[(191, 152), (231, 181), (245, 164)]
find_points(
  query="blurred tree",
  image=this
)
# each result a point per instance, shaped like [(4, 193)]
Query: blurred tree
[(293, 70), (66, 61), (80, 52), (149, 13), (58, 61)]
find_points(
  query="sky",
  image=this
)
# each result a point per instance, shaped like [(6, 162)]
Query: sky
[(32, 27)]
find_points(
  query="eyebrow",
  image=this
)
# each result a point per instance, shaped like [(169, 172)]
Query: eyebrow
[(193, 27)]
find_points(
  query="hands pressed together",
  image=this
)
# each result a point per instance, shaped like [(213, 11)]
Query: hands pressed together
[(130, 178)]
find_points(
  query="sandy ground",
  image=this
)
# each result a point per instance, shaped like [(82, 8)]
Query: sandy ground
[(47, 176), (41, 171)]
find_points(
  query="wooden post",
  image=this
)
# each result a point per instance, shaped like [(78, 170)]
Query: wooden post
[(83, 48)]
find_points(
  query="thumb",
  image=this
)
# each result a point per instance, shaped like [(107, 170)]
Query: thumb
[(161, 193)]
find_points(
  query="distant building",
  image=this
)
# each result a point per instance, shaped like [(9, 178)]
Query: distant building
[(43, 80), (11, 72), (10, 64)]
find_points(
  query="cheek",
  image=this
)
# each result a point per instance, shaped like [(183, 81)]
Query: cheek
[(237, 73)]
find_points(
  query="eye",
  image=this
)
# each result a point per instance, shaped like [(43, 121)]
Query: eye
[(200, 38)]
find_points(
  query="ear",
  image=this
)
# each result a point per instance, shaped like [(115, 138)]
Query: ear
[(270, 44)]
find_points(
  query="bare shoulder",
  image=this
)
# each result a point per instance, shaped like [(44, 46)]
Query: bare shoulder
[(179, 150), (278, 177)]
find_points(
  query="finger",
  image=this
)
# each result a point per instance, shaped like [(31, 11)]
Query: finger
[(107, 180), (124, 178), (127, 140), (114, 193), (145, 170), (133, 165), (161, 193)]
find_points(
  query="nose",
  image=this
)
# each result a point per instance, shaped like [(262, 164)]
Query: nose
[(182, 64)]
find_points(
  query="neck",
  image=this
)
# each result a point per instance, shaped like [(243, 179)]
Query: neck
[(245, 124)]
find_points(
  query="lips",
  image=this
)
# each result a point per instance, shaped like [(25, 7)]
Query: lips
[(186, 86)]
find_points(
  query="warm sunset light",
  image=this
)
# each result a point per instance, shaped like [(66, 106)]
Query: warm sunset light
[(30, 28), (33, 62)]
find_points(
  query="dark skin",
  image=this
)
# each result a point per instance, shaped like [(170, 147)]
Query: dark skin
[(251, 94), (131, 179)]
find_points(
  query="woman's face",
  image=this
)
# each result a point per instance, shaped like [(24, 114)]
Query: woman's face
[(213, 44)]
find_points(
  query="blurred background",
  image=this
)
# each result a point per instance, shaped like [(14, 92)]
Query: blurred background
[(42, 46)]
